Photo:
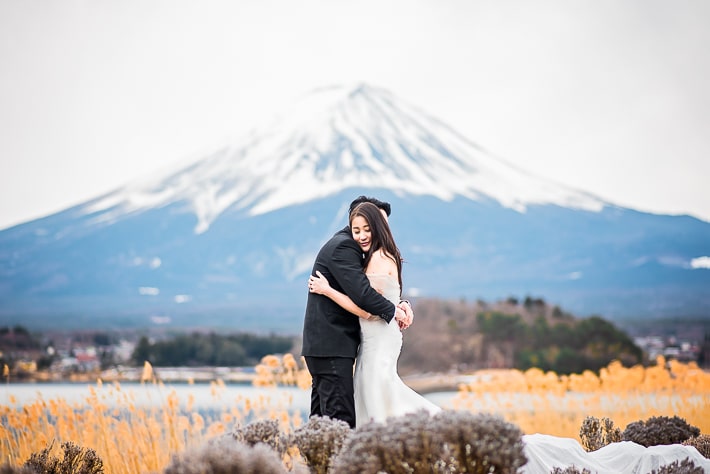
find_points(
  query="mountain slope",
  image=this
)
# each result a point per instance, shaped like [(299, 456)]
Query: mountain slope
[(331, 140), (229, 240)]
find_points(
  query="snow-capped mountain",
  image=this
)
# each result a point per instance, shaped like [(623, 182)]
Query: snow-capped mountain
[(338, 138), (229, 239)]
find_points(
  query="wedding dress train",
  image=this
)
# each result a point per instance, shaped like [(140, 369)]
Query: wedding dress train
[(379, 391), (545, 452)]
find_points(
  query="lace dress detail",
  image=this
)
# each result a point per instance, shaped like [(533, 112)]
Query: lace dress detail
[(379, 391)]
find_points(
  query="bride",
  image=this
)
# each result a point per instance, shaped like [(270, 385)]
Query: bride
[(379, 391)]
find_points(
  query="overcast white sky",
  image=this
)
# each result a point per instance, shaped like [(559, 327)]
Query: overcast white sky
[(608, 96)]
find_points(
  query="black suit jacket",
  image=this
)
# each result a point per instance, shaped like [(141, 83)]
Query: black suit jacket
[(328, 329)]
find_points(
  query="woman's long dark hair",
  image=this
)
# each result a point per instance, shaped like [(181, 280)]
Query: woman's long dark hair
[(380, 235)]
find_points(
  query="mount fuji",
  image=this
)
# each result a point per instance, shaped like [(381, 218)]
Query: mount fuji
[(228, 240)]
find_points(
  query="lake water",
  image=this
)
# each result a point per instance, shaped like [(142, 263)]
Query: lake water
[(202, 396)]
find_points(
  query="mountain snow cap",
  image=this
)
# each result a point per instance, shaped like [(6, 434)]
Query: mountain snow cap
[(332, 139)]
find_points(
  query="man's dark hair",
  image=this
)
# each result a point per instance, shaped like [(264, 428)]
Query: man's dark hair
[(385, 206)]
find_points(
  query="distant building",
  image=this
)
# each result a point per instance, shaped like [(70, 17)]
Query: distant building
[(671, 348)]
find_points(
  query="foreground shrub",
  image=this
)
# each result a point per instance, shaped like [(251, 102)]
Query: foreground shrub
[(480, 442), (402, 445), (224, 456), (76, 460), (261, 431), (419, 438), (319, 441), (449, 441), (686, 466), (701, 443), (595, 433), (659, 430)]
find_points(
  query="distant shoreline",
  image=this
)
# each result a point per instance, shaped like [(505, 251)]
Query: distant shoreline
[(422, 383), (136, 374)]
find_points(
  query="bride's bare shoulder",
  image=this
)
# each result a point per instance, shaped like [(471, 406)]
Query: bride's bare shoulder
[(381, 262)]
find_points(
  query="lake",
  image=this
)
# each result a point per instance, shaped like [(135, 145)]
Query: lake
[(201, 396)]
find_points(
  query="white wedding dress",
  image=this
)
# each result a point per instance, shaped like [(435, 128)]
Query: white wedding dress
[(545, 452), (379, 391)]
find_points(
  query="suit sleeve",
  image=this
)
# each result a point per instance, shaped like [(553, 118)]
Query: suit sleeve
[(348, 272)]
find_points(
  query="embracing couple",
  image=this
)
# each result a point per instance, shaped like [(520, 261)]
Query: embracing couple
[(354, 317)]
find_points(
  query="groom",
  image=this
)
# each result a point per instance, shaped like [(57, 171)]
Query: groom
[(331, 335)]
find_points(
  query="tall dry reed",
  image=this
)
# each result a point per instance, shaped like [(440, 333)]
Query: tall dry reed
[(128, 438), (544, 402)]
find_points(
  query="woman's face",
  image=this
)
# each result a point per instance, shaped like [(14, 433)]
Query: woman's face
[(361, 232)]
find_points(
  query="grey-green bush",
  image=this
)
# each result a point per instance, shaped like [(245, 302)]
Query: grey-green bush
[(319, 441), (76, 460), (224, 455), (261, 431), (479, 442), (448, 442), (595, 433), (701, 443), (686, 466), (659, 430), (401, 445)]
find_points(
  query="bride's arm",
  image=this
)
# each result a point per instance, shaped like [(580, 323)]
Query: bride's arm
[(319, 284)]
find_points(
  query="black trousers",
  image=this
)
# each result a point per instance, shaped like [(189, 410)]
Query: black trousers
[(332, 392)]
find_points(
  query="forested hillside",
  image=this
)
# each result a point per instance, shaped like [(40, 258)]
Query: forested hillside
[(461, 335)]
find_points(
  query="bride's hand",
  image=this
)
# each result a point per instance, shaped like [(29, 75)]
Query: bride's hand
[(318, 284)]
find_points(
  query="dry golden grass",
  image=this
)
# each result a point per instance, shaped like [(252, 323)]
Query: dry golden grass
[(542, 402), (131, 439), (273, 371), (128, 438)]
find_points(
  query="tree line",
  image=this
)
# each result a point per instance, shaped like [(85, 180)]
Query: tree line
[(590, 344), (512, 333), (199, 349)]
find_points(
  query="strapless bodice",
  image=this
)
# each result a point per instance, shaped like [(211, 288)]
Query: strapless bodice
[(373, 334), (386, 285)]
